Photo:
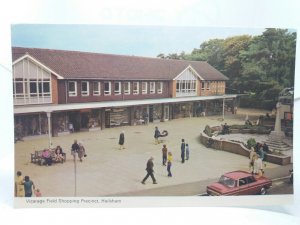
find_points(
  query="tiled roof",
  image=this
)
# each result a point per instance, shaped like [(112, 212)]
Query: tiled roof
[(76, 65)]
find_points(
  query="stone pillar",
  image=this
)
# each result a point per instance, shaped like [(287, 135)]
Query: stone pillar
[(277, 130), (49, 129)]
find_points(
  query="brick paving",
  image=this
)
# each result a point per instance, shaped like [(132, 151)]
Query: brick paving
[(110, 171)]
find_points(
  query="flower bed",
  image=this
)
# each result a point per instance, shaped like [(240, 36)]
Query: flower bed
[(240, 149)]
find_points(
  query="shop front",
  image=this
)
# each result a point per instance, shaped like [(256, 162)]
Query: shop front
[(116, 117), (182, 110), (31, 125)]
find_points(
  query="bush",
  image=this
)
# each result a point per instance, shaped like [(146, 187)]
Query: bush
[(208, 131), (251, 143)]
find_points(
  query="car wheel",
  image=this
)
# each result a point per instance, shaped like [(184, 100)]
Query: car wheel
[(263, 191)]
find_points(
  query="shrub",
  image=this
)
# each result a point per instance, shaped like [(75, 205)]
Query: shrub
[(251, 143), (208, 131)]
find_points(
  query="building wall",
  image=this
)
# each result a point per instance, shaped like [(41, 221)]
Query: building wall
[(65, 98), (215, 88), (54, 89)]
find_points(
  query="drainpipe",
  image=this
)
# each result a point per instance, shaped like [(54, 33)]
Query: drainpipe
[(223, 107), (66, 91)]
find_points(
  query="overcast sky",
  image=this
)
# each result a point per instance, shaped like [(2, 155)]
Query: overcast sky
[(116, 39)]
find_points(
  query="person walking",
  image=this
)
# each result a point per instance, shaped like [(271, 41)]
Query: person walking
[(156, 135), (164, 155), (121, 140), (187, 151), (258, 166), (37, 193), (251, 160), (170, 159), (75, 148), (182, 150), (19, 185), (28, 187), (150, 171), (81, 152)]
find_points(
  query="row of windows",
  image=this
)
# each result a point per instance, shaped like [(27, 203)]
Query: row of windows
[(208, 84), (107, 88), (31, 87)]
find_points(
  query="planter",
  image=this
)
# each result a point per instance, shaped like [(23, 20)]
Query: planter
[(240, 149)]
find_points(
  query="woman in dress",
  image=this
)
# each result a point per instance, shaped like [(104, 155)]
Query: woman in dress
[(81, 152)]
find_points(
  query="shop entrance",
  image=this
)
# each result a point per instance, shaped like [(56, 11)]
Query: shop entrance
[(74, 118), (151, 113)]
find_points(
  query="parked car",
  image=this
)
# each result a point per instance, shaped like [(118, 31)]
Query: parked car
[(239, 183)]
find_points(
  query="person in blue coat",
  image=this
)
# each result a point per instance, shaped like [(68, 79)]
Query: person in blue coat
[(182, 147)]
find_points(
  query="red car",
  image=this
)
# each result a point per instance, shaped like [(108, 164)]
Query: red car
[(239, 183)]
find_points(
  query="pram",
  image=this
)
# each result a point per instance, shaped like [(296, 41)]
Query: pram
[(163, 134)]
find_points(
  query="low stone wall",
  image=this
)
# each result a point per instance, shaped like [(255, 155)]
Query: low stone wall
[(240, 149)]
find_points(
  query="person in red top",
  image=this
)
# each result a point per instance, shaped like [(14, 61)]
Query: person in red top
[(47, 157)]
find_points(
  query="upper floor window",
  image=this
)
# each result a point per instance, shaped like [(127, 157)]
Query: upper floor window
[(72, 88), (144, 87), (152, 87), (208, 85), (96, 88), (202, 85), (135, 88), (159, 87), (117, 88), (185, 88), (107, 88), (127, 88), (85, 89)]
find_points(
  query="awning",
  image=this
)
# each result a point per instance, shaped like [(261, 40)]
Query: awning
[(111, 104)]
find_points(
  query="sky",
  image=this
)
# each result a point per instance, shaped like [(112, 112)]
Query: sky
[(120, 39)]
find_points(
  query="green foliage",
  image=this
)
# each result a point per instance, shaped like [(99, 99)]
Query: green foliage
[(208, 131), (262, 65), (251, 142)]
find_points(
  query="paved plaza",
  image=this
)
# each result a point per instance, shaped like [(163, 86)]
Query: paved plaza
[(108, 171)]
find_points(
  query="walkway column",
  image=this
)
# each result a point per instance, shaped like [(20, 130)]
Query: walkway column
[(223, 107), (49, 128)]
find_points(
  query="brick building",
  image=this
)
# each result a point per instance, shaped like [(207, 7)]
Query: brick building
[(54, 89)]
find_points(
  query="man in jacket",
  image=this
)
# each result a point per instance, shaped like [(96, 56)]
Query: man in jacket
[(150, 171)]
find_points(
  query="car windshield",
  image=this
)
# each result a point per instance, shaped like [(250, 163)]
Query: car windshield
[(227, 181)]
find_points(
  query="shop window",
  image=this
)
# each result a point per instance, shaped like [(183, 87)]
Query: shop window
[(127, 88), (152, 87), (135, 88), (72, 88), (117, 88), (85, 88), (144, 87), (107, 88), (96, 88)]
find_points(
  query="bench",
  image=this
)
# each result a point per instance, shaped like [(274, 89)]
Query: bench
[(37, 158)]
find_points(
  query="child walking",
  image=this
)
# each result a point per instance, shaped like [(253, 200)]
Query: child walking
[(169, 165), (187, 151)]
